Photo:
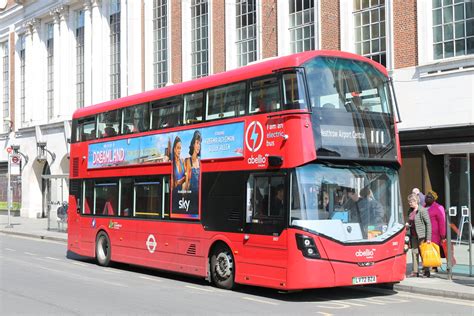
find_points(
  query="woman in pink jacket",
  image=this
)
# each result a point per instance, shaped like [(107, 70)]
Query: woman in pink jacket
[(437, 218)]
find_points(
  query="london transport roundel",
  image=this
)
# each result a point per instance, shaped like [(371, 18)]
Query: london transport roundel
[(254, 136), (151, 243)]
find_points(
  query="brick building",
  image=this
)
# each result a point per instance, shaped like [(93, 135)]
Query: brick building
[(59, 55)]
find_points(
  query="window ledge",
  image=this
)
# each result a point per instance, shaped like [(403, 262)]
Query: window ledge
[(446, 66)]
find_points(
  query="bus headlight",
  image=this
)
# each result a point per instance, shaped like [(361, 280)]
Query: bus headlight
[(307, 246)]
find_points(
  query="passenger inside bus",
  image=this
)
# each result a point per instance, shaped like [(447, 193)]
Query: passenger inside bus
[(109, 130), (277, 206), (91, 135)]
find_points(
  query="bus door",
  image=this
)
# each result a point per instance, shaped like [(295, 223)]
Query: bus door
[(265, 241)]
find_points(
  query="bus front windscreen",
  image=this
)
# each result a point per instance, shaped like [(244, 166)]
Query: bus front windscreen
[(352, 111), (349, 204)]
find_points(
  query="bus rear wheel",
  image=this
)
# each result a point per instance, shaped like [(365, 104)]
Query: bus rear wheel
[(222, 268), (103, 249)]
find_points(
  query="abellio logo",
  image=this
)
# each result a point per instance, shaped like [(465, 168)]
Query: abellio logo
[(365, 253), (259, 160), (254, 136)]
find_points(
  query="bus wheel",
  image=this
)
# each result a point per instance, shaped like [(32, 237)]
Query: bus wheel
[(102, 249), (222, 267)]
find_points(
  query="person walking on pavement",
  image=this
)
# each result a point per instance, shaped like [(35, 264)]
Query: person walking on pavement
[(419, 230), (437, 218), (420, 195)]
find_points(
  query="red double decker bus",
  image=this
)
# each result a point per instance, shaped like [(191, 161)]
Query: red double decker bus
[(282, 174)]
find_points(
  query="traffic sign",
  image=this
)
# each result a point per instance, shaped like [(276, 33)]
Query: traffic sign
[(15, 160), (9, 150)]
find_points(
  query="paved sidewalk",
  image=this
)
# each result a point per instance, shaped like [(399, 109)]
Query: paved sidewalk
[(31, 227), (461, 287)]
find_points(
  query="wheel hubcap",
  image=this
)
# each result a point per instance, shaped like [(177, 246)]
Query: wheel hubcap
[(224, 265), (102, 248)]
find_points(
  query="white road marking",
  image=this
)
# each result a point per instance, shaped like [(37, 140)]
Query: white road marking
[(79, 264), (150, 279), (10, 249), (258, 301), (395, 299), (51, 258), (375, 301), (29, 253), (353, 304), (110, 270), (438, 299), (325, 314), (78, 276), (332, 305), (198, 288), (71, 275)]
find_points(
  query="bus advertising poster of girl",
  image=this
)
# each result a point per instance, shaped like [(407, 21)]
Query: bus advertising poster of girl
[(186, 175)]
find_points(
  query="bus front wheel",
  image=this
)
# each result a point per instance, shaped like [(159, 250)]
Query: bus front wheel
[(222, 267), (103, 249)]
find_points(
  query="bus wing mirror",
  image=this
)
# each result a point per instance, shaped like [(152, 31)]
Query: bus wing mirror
[(392, 92)]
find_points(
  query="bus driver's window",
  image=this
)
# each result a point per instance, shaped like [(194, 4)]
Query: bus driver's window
[(266, 199)]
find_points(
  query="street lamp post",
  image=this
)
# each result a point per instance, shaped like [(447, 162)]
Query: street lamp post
[(9, 191), (15, 149)]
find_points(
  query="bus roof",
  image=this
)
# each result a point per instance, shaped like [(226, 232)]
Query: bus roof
[(261, 68)]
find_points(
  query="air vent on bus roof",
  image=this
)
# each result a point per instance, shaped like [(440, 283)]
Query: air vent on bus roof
[(75, 167)]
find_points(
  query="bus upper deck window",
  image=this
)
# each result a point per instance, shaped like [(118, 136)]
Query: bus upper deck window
[(108, 124), (193, 108), (264, 96), (135, 119), (294, 91), (166, 113), (227, 101), (86, 129)]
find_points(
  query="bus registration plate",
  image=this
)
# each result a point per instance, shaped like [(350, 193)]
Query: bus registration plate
[(364, 280)]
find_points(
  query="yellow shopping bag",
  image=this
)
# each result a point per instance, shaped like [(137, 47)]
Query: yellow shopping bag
[(430, 255)]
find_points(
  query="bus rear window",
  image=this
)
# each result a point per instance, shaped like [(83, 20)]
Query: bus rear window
[(85, 129)]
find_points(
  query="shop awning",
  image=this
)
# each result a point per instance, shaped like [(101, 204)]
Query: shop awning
[(453, 148)]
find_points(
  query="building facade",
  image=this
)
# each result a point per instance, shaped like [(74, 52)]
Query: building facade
[(60, 55)]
